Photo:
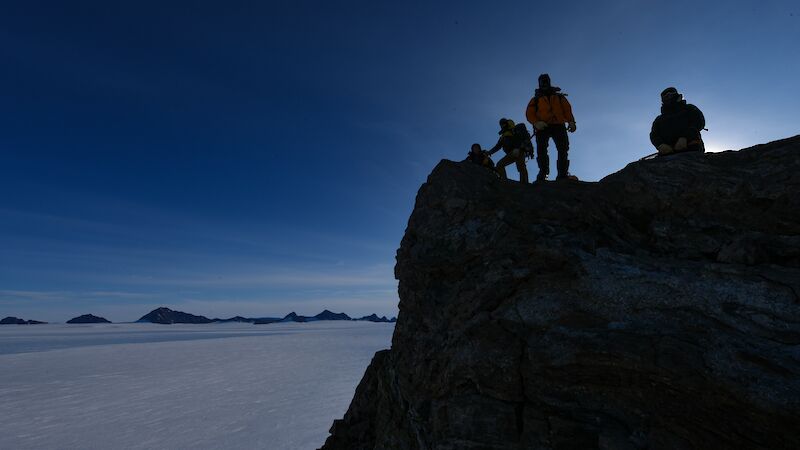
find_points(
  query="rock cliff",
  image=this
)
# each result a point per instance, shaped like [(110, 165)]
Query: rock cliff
[(657, 308)]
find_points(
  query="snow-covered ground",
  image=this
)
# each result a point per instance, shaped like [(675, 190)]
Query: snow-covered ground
[(146, 386)]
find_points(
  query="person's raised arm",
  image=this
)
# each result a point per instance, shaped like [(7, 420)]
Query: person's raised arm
[(496, 147)]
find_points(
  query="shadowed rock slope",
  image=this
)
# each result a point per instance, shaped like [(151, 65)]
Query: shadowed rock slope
[(657, 308)]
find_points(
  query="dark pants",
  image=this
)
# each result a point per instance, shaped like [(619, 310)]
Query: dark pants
[(559, 134), (511, 158)]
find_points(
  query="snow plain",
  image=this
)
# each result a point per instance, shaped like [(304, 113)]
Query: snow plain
[(147, 386)]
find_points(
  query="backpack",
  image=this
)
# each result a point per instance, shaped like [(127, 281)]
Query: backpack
[(552, 92), (521, 134)]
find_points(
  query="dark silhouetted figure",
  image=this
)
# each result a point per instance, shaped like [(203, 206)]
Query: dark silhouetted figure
[(548, 112), (513, 144), (480, 157), (678, 127)]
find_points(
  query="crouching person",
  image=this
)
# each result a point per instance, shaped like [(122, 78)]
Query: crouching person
[(480, 157), (678, 127)]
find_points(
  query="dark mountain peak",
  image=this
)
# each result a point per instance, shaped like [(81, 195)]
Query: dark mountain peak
[(374, 318), (10, 320), (656, 308), (164, 315), (327, 315), (293, 317), (88, 318)]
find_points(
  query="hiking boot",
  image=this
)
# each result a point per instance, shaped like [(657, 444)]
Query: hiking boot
[(567, 177)]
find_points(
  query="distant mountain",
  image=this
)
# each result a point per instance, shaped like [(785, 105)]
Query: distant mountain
[(15, 321), (324, 315), (327, 315), (235, 319), (267, 320), (293, 317), (374, 318), (88, 318), (167, 316)]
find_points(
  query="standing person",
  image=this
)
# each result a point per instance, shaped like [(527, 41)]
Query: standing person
[(548, 112), (513, 145), (678, 127)]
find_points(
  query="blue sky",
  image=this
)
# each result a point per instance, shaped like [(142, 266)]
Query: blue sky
[(255, 158)]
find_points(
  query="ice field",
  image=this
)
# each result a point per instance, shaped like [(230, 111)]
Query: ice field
[(147, 386)]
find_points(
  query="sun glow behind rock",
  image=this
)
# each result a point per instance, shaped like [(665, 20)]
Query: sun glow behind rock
[(716, 147)]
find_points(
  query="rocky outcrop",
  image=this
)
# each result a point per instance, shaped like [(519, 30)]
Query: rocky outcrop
[(88, 318), (657, 308), (167, 316), (10, 320)]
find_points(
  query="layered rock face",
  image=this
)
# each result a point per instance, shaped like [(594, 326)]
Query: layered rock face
[(657, 308)]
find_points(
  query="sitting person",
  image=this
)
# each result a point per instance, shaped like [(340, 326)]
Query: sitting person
[(480, 156), (678, 127)]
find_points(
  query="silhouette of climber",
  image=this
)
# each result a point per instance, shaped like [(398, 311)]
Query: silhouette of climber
[(548, 112), (514, 147), (677, 128), (480, 156)]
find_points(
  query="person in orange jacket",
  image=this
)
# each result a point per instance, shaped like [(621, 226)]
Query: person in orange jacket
[(548, 112)]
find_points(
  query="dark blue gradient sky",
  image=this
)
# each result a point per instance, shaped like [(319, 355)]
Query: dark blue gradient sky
[(256, 158)]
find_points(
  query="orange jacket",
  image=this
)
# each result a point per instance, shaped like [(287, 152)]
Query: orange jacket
[(552, 109)]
